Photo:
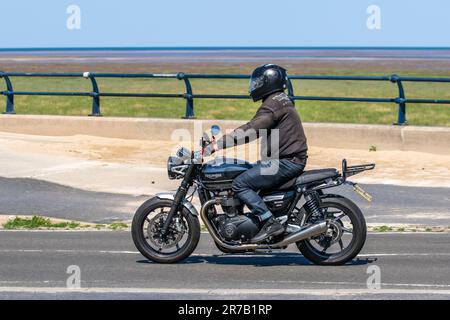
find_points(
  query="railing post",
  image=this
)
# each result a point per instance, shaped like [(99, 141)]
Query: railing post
[(9, 93), (401, 101), (95, 94), (290, 88), (188, 96)]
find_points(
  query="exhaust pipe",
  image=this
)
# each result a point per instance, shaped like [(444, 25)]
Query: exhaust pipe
[(303, 234)]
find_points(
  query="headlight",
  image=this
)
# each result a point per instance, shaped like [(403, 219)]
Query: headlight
[(175, 168), (183, 153)]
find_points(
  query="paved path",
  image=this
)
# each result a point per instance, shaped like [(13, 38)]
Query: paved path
[(392, 204), (41, 175), (34, 264)]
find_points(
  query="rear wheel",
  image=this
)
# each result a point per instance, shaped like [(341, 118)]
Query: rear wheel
[(343, 240), (177, 244)]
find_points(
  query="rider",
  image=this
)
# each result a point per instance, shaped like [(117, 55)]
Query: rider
[(277, 118)]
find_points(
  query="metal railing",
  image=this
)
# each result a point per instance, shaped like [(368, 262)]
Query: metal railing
[(401, 100)]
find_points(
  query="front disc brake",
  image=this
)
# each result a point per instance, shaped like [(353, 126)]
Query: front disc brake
[(171, 237)]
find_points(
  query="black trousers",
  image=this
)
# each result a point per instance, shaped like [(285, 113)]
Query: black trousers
[(264, 176)]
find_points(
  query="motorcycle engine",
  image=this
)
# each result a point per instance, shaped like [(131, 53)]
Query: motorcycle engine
[(234, 225), (242, 227)]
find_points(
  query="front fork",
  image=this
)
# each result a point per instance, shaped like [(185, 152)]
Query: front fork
[(179, 197)]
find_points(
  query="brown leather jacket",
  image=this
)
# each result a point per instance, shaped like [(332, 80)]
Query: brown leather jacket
[(276, 119)]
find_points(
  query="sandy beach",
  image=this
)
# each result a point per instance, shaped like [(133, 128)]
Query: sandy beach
[(230, 60)]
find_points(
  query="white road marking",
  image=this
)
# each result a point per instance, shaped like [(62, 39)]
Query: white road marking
[(412, 285), (402, 254), (42, 282), (221, 292)]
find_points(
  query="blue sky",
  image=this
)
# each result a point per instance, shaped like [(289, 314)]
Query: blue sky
[(224, 23)]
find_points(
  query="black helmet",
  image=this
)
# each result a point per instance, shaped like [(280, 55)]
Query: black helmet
[(267, 79)]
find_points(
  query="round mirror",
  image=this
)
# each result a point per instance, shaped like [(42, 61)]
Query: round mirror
[(215, 130)]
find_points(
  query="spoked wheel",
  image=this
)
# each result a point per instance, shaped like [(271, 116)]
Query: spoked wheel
[(176, 244), (345, 236)]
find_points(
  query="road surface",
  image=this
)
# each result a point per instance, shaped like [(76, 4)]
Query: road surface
[(391, 205), (34, 265)]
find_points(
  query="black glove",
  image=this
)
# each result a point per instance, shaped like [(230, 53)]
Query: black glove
[(209, 150)]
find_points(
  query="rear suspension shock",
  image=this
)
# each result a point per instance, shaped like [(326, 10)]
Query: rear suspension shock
[(313, 203)]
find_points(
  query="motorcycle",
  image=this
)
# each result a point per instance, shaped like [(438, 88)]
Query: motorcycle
[(327, 228)]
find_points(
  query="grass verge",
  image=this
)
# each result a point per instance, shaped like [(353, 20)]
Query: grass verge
[(393, 228), (37, 222), (43, 223), (310, 111)]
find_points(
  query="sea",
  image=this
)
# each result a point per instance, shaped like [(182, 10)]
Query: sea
[(222, 54)]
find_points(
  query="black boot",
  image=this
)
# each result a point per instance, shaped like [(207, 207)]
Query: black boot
[(271, 228)]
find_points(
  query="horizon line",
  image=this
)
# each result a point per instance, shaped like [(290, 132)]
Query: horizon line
[(114, 48)]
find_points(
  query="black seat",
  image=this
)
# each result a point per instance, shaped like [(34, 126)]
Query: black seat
[(308, 177), (316, 175)]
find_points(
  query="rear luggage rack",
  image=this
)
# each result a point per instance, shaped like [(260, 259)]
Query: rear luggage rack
[(348, 171)]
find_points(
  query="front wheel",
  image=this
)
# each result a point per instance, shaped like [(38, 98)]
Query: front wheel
[(343, 240), (177, 244)]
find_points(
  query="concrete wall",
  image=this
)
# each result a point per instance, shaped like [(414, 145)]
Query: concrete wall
[(423, 139)]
